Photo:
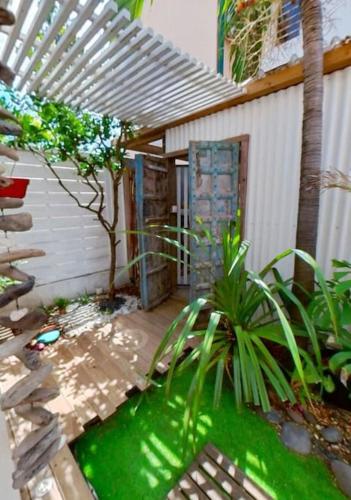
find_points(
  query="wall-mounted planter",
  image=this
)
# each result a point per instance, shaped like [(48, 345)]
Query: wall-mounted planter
[(17, 189)]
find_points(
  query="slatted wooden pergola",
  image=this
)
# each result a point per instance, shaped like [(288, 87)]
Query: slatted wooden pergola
[(87, 53)]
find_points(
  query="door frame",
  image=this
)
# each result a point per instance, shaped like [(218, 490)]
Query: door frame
[(244, 141)]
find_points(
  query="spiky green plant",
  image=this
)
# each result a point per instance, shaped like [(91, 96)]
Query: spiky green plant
[(246, 318)]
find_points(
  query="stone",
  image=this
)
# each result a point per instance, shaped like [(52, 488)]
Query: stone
[(274, 416), (17, 222), (10, 202), (332, 434), (6, 74), (309, 417), (13, 292), (24, 387), (18, 314), (30, 359), (296, 438), (34, 437), (342, 474), (8, 128), (7, 17), (15, 345), (9, 152), (35, 414), (296, 416), (20, 255)]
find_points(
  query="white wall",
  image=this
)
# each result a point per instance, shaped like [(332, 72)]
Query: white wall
[(274, 124), (190, 25), (76, 246)]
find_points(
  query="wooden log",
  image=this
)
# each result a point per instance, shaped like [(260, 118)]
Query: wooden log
[(35, 414), (31, 359), (5, 181), (13, 346), (17, 222), (24, 387), (13, 292), (8, 128), (20, 255), (32, 455), (7, 18), (42, 395), (34, 437), (6, 74), (10, 202), (5, 150), (40, 464), (12, 272), (34, 320), (4, 114)]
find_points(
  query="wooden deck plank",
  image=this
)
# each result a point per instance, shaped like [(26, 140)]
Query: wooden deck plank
[(69, 477)]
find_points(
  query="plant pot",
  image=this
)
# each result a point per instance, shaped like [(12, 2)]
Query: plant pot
[(17, 189)]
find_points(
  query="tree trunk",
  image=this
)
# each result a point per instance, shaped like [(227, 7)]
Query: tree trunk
[(311, 155), (113, 265)]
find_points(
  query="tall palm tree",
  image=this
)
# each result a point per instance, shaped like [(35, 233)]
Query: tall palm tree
[(311, 153)]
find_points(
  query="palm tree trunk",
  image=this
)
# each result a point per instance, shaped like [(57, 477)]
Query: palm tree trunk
[(311, 155)]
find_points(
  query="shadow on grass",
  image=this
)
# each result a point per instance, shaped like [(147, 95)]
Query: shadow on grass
[(140, 457)]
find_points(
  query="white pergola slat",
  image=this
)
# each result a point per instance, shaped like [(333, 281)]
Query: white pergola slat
[(85, 53)]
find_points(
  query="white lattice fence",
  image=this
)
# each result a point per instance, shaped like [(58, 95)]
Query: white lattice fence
[(76, 244)]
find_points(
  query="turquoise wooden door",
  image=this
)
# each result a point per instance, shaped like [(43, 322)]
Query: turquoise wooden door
[(214, 198), (151, 179)]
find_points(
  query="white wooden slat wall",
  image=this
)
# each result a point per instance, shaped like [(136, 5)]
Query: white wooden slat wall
[(274, 125), (76, 245)]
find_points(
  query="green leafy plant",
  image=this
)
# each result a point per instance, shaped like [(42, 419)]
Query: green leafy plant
[(61, 303), (84, 299), (92, 143), (247, 322)]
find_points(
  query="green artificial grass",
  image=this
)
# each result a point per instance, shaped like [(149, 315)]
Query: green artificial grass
[(140, 457)]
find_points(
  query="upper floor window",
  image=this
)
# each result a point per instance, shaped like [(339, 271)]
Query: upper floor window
[(289, 21)]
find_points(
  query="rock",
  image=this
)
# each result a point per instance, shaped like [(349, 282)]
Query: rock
[(11, 203), (17, 223), (9, 152), (8, 128), (30, 359), (34, 437), (296, 438), (342, 474), (311, 419), (20, 255), (332, 434), (296, 416), (274, 416), (7, 18)]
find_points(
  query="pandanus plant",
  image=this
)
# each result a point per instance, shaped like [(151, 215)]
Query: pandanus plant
[(246, 317)]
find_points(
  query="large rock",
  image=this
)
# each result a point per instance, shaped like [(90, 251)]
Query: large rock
[(296, 438), (10, 202), (274, 416), (342, 474), (332, 434)]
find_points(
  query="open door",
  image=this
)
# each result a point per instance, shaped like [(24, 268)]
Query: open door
[(152, 200), (214, 197)]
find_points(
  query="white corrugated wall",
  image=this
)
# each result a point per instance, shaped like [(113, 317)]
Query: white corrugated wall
[(274, 125)]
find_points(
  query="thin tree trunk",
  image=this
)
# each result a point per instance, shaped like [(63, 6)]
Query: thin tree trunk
[(113, 265), (311, 155)]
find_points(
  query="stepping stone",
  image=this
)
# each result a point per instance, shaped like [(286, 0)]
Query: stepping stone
[(274, 416), (5, 150), (309, 417), (332, 434), (296, 438), (16, 223), (342, 474)]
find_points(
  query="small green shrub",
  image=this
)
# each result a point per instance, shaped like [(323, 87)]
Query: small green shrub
[(61, 303)]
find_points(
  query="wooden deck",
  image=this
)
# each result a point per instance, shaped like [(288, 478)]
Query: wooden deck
[(94, 371)]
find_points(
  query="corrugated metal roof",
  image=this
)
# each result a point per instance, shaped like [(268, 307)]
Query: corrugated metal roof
[(86, 53)]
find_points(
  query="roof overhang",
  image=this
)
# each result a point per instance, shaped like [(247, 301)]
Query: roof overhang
[(281, 78), (92, 56)]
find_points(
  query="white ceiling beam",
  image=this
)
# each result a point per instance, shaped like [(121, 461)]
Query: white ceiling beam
[(79, 56), (97, 68), (67, 38), (38, 55), (21, 14)]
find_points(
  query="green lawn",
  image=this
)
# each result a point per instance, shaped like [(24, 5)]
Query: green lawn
[(139, 457)]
